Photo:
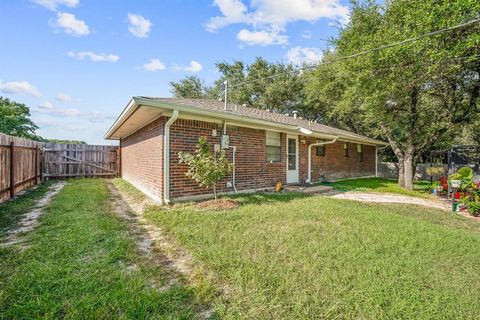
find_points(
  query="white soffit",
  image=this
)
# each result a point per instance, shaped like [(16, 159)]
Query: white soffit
[(140, 118)]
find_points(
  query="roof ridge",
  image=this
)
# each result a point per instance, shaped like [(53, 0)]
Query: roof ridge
[(252, 112)]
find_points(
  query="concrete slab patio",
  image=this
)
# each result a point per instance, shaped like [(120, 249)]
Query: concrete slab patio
[(393, 198)]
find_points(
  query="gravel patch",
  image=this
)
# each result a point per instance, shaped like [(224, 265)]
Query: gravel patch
[(392, 198)]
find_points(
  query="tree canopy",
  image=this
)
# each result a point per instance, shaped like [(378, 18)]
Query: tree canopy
[(15, 119), (419, 95)]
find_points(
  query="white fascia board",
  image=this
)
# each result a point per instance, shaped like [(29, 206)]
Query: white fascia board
[(232, 119), (129, 109)]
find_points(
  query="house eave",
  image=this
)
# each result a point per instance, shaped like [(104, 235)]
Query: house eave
[(136, 102)]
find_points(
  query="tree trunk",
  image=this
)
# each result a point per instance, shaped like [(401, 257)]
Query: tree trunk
[(214, 187), (408, 172), (401, 173)]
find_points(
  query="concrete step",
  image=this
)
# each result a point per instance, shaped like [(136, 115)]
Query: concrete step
[(315, 189)]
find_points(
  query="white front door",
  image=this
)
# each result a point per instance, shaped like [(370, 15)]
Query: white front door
[(292, 159)]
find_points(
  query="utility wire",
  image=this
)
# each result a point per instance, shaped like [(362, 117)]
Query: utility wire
[(429, 34)]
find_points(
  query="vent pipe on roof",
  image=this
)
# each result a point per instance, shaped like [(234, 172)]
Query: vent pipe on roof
[(295, 113), (225, 83)]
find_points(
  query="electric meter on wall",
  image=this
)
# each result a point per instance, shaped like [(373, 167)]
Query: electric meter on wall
[(225, 141)]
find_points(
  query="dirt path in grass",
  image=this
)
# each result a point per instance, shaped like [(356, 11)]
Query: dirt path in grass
[(153, 243), (392, 198), (29, 221)]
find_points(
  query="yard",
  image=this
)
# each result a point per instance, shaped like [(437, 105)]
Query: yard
[(81, 263), (421, 188), (288, 256), (296, 257)]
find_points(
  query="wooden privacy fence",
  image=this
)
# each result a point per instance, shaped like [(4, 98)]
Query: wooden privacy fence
[(19, 165), (24, 163), (79, 160)]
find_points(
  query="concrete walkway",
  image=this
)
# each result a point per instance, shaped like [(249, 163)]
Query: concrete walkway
[(393, 198)]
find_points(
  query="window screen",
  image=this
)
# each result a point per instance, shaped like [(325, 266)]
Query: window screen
[(320, 149), (360, 152), (273, 147)]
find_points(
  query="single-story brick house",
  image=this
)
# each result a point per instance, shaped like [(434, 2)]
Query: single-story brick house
[(264, 146)]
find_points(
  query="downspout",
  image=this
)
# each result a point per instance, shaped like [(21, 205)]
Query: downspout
[(234, 148), (310, 155), (166, 157), (376, 159)]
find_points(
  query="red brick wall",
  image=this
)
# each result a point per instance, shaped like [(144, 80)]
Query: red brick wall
[(334, 165), (252, 171), (142, 158)]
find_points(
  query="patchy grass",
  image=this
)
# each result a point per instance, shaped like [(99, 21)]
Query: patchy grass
[(12, 210), (297, 257), (81, 263), (128, 188), (421, 188)]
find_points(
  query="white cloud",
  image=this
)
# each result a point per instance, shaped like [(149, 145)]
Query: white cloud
[(263, 38), (193, 67), (139, 26), (276, 13), (49, 109), (71, 25), (233, 11), (19, 87), (154, 65), (62, 97), (307, 34), (46, 106), (54, 4), (272, 16), (299, 55), (95, 57)]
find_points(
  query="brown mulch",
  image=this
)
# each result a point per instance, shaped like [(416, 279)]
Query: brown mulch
[(220, 204)]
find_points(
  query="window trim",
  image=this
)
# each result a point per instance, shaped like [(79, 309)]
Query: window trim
[(278, 147), (360, 152), (320, 147), (345, 149)]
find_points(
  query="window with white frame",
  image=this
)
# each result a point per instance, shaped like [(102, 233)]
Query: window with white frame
[(320, 149), (360, 152), (273, 146)]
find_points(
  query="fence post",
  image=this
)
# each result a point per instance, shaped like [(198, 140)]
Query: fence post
[(12, 169), (36, 165)]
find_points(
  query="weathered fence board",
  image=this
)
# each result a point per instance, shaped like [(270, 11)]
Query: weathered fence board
[(19, 164), (78, 160), (24, 162)]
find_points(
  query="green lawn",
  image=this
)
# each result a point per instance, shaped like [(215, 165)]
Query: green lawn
[(80, 263), (299, 257), (421, 188)]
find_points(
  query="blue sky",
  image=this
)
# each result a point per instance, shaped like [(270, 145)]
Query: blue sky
[(76, 63)]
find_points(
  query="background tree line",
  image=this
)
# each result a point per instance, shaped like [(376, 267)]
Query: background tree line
[(15, 121), (419, 96)]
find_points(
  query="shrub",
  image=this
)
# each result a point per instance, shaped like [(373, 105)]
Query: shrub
[(474, 208), (464, 174), (204, 167), (435, 171)]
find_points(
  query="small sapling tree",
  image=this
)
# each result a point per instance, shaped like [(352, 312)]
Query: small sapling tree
[(206, 168)]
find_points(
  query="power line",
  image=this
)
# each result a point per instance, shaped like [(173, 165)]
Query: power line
[(355, 55)]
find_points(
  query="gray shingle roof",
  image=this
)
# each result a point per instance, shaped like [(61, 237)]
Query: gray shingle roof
[(254, 113)]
